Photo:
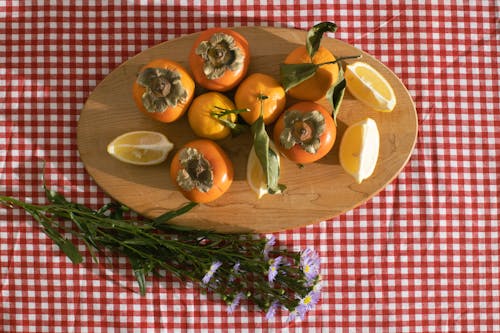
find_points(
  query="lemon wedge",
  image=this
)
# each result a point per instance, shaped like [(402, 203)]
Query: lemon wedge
[(367, 85), (256, 178), (359, 149), (140, 147)]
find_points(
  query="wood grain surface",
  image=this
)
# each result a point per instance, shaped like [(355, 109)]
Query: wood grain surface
[(314, 193)]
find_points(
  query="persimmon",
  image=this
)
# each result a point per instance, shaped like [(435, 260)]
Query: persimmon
[(163, 90), (305, 132), (315, 87), (201, 170), (219, 59), (258, 92), (201, 115)]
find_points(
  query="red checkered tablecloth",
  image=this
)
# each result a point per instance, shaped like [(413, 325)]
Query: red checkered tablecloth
[(421, 256)]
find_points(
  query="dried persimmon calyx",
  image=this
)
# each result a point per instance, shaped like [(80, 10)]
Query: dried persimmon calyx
[(220, 53), (303, 129), (163, 88), (196, 171)]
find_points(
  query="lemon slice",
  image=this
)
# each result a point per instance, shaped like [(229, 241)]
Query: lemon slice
[(359, 149), (140, 147), (255, 173), (370, 87)]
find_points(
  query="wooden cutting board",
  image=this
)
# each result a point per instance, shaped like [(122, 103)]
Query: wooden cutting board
[(314, 193)]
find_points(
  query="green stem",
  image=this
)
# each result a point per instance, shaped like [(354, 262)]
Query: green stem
[(154, 244), (339, 60)]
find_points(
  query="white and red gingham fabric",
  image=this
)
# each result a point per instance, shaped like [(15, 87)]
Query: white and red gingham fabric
[(421, 256)]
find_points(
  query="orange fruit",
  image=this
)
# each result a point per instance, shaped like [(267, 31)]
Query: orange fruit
[(203, 123), (163, 90), (219, 59), (248, 96), (305, 132), (202, 171), (316, 87)]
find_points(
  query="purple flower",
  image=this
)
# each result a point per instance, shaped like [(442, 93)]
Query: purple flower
[(268, 247), (272, 310), (309, 263), (235, 302), (236, 268), (308, 302), (292, 316), (273, 268), (211, 272), (235, 271)]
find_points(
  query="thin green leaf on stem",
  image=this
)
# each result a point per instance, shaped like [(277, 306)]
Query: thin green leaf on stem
[(292, 75), (164, 218)]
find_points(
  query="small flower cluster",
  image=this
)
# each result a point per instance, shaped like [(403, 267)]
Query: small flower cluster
[(284, 280), (236, 267)]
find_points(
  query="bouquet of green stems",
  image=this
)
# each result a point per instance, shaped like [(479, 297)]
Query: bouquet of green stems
[(235, 266)]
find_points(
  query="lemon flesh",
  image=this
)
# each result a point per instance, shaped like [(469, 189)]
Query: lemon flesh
[(359, 149), (368, 86), (140, 147), (256, 177)]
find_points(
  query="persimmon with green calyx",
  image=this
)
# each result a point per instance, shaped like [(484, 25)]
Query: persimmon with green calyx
[(219, 59), (163, 90), (202, 171), (305, 132)]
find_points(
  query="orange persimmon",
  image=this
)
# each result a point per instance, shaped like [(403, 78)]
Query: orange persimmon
[(219, 59), (201, 170), (305, 132), (163, 90)]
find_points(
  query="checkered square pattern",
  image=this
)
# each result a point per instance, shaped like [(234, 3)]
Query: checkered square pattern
[(421, 256)]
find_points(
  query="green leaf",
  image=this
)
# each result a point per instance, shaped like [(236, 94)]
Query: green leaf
[(140, 273), (267, 157), (274, 173), (113, 210), (164, 218), (91, 246), (225, 112), (54, 197), (71, 251), (292, 75), (315, 34), (65, 245), (335, 94), (221, 116), (236, 129)]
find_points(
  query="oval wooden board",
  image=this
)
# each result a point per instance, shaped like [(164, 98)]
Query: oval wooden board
[(315, 193)]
